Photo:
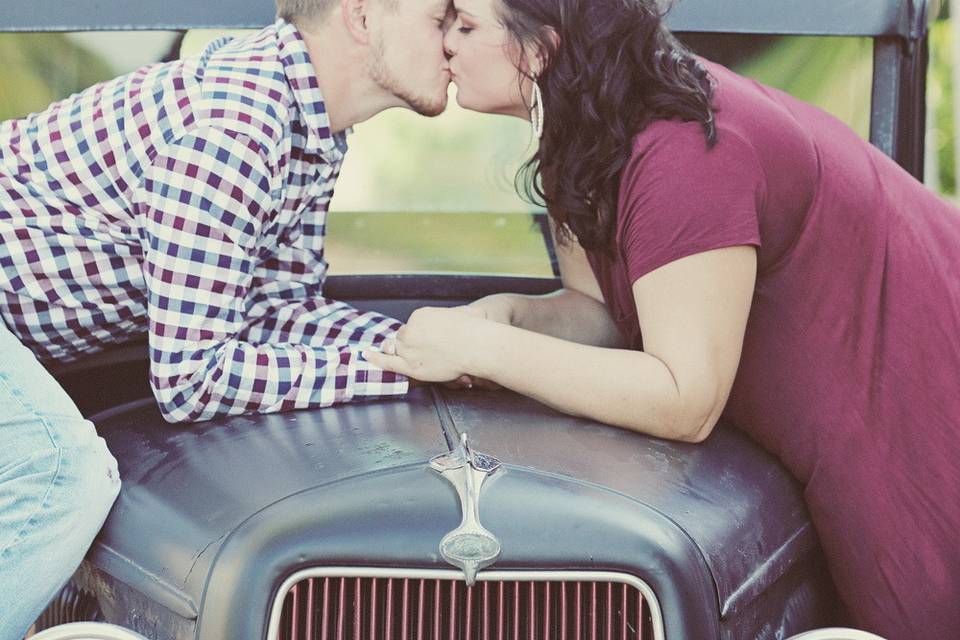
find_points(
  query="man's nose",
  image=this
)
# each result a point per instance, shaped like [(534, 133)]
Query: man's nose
[(449, 47)]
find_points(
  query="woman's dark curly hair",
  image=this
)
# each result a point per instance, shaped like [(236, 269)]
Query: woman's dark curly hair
[(611, 68)]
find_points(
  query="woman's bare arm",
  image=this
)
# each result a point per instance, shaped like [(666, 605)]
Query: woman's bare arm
[(693, 313), (576, 313)]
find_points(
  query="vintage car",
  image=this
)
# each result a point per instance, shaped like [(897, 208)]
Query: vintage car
[(452, 513)]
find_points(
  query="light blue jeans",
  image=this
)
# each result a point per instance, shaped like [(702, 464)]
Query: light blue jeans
[(57, 484)]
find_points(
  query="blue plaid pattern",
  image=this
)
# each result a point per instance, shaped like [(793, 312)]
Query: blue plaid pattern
[(188, 201)]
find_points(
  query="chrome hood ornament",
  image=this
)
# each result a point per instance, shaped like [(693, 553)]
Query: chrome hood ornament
[(470, 546)]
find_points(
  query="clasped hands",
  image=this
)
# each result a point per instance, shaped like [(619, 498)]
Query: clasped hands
[(442, 344)]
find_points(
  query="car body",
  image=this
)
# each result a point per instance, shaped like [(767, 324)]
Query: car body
[(328, 523)]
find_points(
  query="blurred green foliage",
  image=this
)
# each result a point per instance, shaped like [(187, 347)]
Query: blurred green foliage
[(399, 242), (41, 68), (462, 162), (835, 74), (940, 101)]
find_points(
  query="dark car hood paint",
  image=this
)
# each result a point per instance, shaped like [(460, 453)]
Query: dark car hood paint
[(245, 500)]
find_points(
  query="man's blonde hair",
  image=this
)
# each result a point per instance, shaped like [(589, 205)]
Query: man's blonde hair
[(303, 11)]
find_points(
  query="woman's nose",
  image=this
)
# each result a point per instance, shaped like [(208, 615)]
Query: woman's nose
[(449, 44)]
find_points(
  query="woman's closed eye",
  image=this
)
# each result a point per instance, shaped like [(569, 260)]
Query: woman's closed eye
[(462, 26)]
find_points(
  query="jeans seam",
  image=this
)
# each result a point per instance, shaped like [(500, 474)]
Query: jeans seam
[(15, 394), (43, 503), (29, 408)]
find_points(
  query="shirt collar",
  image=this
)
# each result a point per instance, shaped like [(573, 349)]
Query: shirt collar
[(302, 79)]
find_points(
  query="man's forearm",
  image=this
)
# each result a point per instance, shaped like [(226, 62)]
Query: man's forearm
[(566, 314)]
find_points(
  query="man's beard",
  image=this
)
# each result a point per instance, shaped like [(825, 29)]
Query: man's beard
[(381, 75)]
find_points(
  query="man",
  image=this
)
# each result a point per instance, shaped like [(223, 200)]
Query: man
[(187, 201)]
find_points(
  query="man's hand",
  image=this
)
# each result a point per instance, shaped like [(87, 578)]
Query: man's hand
[(472, 382)]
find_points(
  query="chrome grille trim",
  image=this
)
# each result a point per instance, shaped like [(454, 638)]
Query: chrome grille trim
[(646, 593)]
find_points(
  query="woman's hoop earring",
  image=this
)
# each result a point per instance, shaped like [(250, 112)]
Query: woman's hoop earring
[(536, 110)]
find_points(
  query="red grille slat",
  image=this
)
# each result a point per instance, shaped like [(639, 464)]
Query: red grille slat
[(295, 614), (341, 608), (388, 620), (469, 608), (579, 618), (547, 626), (623, 613), (436, 609), (406, 608), (357, 608), (500, 609), (326, 607), (531, 617), (609, 635), (423, 591), (311, 586), (593, 611), (486, 611), (453, 611), (516, 611), (373, 609), (640, 608)]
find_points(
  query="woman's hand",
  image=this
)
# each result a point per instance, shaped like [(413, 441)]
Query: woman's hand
[(496, 308), (434, 346)]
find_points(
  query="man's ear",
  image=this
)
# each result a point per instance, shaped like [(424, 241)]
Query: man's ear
[(354, 14)]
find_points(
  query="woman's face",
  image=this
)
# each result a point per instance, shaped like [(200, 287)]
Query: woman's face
[(484, 61)]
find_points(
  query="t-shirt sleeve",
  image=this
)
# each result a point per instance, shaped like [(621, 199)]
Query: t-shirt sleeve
[(679, 198)]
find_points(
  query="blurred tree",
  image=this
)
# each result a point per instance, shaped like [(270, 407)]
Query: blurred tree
[(465, 162), (942, 105), (41, 68)]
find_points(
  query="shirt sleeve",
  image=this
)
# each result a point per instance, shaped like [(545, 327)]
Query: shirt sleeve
[(286, 305), (231, 329), (679, 197)]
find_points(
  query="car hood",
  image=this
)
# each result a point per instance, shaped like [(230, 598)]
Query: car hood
[(248, 498)]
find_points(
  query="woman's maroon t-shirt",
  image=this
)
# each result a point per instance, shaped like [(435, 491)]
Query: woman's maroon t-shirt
[(850, 371)]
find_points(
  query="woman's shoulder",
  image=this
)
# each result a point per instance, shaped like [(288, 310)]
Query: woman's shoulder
[(674, 144), (753, 126), (674, 166), (742, 107)]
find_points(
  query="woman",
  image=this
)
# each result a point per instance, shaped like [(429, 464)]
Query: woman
[(730, 251)]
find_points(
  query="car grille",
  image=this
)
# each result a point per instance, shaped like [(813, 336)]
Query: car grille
[(401, 608), (72, 604)]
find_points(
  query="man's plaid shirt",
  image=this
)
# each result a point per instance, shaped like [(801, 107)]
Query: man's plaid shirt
[(188, 200)]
